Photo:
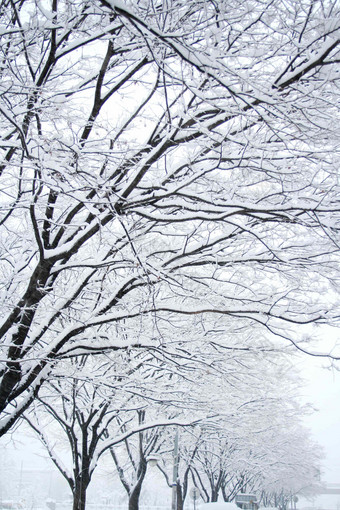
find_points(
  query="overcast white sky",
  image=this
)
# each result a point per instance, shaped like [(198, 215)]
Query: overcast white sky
[(323, 391)]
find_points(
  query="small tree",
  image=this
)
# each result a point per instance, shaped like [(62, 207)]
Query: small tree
[(132, 464), (283, 481)]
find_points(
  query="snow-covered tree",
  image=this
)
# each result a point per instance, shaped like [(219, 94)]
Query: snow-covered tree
[(91, 406), (96, 404), (284, 480), (73, 410), (274, 459), (163, 159), (130, 458), (252, 441), (257, 443)]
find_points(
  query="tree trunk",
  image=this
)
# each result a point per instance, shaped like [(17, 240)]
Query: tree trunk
[(135, 493), (79, 493), (214, 495), (180, 501), (134, 497), (224, 494)]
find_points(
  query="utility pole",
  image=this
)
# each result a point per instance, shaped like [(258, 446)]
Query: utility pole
[(175, 473)]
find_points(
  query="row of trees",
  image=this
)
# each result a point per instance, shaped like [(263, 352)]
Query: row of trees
[(233, 437), (169, 213)]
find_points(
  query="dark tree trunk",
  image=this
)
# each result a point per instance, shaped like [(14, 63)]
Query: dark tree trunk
[(135, 493), (180, 500), (214, 495), (79, 492), (224, 494), (134, 498), (79, 498)]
